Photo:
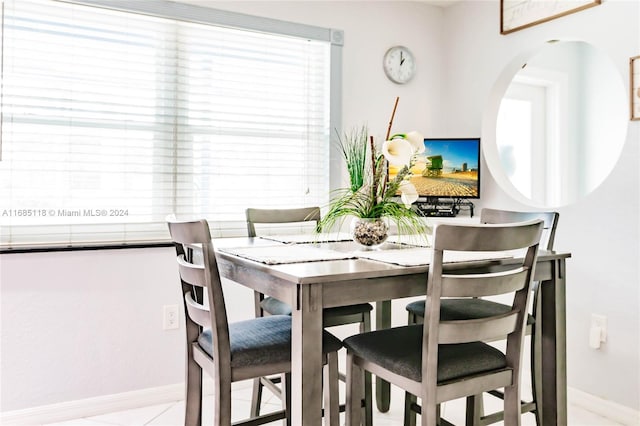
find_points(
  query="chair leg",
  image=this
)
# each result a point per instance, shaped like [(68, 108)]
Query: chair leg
[(365, 327), (368, 404), (330, 386), (409, 399), (409, 414), (430, 413), (536, 356), (256, 394), (475, 410), (222, 401), (286, 397), (193, 393), (512, 414), (354, 392), (256, 397)]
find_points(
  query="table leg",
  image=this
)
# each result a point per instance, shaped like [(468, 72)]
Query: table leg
[(306, 358), (383, 389), (554, 344)]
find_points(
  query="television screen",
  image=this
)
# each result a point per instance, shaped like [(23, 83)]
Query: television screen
[(448, 168)]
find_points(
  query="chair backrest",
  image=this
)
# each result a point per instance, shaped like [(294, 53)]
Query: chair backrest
[(516, 280), (196, 277), (506, 216), (297, 215)]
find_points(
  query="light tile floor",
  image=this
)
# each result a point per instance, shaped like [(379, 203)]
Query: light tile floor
[(171, 414)]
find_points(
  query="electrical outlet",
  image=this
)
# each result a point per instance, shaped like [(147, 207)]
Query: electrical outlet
[(600, 321), (170, 317), (597, 331)]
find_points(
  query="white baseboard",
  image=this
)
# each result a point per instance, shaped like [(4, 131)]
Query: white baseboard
[(153, 396), (93, 406), (604, 408)]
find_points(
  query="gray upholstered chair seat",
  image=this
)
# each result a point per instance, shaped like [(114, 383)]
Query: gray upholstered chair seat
[(263, 340), (275, 307), (464, 309), (400, 350)]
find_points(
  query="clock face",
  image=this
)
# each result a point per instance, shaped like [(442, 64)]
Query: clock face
[(399, 64)]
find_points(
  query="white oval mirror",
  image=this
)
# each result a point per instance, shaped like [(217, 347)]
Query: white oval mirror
[(560, 124)]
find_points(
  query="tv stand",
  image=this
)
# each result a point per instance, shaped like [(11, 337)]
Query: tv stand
[(444, 207)]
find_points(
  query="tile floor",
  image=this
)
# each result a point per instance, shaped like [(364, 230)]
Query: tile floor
[(171, 414)]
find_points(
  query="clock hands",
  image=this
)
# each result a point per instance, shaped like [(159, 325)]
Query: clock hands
[(401, 58)]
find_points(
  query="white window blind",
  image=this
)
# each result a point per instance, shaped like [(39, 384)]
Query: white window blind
[(111, 120)]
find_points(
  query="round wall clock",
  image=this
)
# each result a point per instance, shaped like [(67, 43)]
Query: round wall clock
[(399, 64)]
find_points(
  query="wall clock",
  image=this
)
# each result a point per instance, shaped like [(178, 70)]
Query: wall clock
[(399, 64)]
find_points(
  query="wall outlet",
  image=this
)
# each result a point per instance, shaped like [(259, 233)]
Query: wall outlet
[(169, 317), (600, 321), (597, 331)]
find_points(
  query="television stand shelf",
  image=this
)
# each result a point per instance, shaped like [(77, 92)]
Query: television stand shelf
[(444, 207)]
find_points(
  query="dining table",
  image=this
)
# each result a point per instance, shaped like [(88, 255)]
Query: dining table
[(316, 272)]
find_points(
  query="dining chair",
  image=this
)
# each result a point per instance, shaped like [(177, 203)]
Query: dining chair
[(440, 360), (457, 308), (342, 315), (231, 352)]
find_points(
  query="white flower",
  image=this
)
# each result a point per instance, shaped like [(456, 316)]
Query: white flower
[(409, 193), (397, 151), (416, 140)]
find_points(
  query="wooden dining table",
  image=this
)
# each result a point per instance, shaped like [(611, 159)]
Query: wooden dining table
[(318, 275)]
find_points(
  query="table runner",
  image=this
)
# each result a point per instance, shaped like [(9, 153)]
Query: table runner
[(332, 237), (296, 253), (411, 240), (287, 253), (420, 256)]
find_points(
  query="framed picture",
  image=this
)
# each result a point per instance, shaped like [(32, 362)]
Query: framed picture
[(634, 86), (518, 14)]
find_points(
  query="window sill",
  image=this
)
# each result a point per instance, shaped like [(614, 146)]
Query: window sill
[(84, 247)]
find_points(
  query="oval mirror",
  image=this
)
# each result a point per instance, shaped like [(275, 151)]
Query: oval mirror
[(560, 118)]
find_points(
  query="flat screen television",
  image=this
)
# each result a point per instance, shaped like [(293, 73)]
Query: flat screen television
[(448, 168)]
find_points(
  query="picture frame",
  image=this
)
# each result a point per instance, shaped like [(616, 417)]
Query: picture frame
[(634, 87), (519, 14)]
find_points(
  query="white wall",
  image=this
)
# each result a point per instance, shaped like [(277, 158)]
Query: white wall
[(99, 332), (601, 230), (81, 324)]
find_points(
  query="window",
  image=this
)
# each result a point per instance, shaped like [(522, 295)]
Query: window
[(113, 119)]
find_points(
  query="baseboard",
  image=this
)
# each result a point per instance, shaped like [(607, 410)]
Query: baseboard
[(604, 408), (93, 406), (159, 395)]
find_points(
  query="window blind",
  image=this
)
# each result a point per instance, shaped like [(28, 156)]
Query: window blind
[(111, 120)]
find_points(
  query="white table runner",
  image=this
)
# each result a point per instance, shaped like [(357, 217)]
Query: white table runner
[(422, 240), (332, 237), (289, 253), (300, 253), (420, 256)]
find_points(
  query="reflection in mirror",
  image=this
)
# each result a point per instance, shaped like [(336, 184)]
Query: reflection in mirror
[(561, 123)]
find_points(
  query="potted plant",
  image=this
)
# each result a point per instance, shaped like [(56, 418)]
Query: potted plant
[(373, 199)]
